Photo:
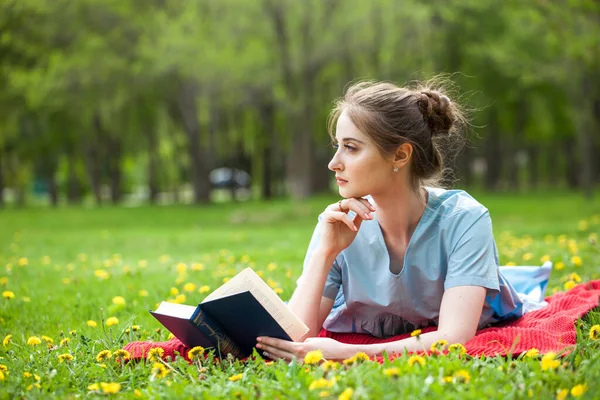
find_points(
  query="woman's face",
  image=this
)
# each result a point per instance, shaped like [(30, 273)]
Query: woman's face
[(359, 167)]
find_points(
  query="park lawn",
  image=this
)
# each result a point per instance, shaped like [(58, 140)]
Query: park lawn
[(71, 268)]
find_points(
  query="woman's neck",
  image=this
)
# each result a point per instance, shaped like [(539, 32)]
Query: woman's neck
[(399, 212)]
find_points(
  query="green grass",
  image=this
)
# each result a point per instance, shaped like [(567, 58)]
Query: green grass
[(53, 261)]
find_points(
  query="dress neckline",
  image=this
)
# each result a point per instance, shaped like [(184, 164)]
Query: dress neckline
[(381, 239)]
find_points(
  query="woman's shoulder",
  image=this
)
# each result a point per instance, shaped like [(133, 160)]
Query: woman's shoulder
[(454, 203)]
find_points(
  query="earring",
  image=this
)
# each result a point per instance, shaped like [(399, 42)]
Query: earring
[(395, 169)]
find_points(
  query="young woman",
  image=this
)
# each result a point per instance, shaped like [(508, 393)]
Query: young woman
[(397, 254)]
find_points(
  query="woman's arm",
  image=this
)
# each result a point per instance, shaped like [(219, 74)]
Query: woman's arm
[(460, 312), (308, 302), (459, 317)]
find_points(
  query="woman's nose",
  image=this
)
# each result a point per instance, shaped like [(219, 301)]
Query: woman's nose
[(334, 164)]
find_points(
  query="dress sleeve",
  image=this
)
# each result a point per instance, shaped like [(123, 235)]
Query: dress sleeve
[(334, 278), (473, 260)]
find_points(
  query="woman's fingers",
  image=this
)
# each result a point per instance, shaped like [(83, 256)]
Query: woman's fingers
[(360, 206)]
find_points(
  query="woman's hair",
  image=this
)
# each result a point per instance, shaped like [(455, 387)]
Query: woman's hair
[(420, 114)]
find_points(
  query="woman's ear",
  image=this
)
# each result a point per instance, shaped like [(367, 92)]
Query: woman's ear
[(403, 155)]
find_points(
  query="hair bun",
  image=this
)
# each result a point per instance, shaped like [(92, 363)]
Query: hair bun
[(437, 111)]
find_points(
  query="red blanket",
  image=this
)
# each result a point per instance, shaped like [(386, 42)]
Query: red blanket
[(549, 329)]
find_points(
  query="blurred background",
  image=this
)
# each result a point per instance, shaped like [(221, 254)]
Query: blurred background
[(162, 101)]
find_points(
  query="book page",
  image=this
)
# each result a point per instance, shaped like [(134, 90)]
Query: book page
[(248, 280), (175, 310)]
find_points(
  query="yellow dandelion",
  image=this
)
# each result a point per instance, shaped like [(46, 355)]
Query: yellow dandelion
[(159, 370), (3, 367), (545, 258), (197, 267), (93, 387), (174, 291), (325, 393), (461, 376), (278, 290), (65, 357), (101, 274), (416, 359), (360, 356), (204, 289), (34, 341), (155, 354), (196, 353), (137, 392), (118, 300), (531, 353), (569, 285), (575, 277), (6, 340), (234, 378), (27, 374), (330, 365), (527, 256), (321, 383), (103, 356), (3, 281), (2, 377), (110, 388), (578, 390), (391, 371), (7, 294), (189, 287), (510, 264), (457, 347), (559, 265), (416, 332), (23, 261), (64, 342), (313, 357), (439, 345), (47, 339), (576, 261), (181, 267), (143, 293), (549, 362), (121, 355), (91, 323), (562, 394), (594, 332), (272, 266), (110, 321), (346, 394)]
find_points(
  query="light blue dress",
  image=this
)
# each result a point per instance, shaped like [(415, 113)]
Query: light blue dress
[(453, 245)]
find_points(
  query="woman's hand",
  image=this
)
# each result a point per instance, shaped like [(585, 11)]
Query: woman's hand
[(276, 349), (338, 230)]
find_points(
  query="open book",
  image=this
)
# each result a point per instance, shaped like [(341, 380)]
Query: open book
[(232, 317)]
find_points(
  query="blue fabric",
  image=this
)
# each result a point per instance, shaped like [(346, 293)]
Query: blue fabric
[(453, 245)]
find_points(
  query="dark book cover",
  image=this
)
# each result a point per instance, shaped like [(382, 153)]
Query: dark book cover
[(184, 330), (244, 319)]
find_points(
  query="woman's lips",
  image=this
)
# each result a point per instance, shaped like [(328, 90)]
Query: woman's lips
[(341, 181)]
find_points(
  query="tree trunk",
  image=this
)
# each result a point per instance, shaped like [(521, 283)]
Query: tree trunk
[(572, 166), (53, 190), (152, 165), (115, 169), (93, 160), (73, 184), (534, 175), (266, 113), (198, 158), (492, 153)]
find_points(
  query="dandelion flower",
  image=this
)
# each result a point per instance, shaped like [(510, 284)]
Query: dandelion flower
[(155, 353), (346, 394), (159, 370), (2, 377), (461, 376), (360, 356), (47, 339), (3, 281), (103, 356), (143, 293), (531, 353), (181, 267), (575, 277), (416, 359), (174, 291), (110, 388), (189, 287), (313, 357), (278, 290), (545, 258), (562, 394), (321, 383), (6, 340), (234, 378), (391, 371), (91, 323), (559, 265), (197, 267), (7, 294), (65, 357), (196, 353), (576, 260), (3, 367), (23, 261), (594, 332), (330, 365), (457, 347), (34, 341), (578, 390), (549, 361), (118, 300), (416, 332), (121, 355), (110, 321), (93, 387), (204, 289), (65, 341), (439, 345)]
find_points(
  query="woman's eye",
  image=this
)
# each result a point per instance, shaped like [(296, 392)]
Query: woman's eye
[(350, 148)]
